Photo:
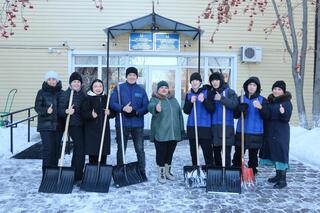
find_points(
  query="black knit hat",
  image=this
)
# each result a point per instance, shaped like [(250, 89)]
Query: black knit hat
[(162, 84), (97, 80), (75, 76), (131, 70), (280, 84), (195, 76)]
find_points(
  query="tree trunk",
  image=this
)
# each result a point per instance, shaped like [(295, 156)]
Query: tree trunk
[(316, 84), (298, 82)]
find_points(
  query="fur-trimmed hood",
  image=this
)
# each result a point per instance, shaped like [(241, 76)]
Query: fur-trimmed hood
[(285, 97)]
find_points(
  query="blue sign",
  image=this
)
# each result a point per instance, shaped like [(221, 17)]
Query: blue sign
[(141, 42), (167, 42)]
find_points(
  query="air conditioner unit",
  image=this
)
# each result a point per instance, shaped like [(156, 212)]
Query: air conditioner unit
[(251, 54)]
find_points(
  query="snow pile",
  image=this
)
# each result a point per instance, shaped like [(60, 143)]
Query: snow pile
[(20, 139), (305, 145)]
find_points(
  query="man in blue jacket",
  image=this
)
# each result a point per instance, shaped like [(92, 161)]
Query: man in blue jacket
[(133, 106)]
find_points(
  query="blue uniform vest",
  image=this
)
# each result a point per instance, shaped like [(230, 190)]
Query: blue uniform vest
[(203, 116), (217, 115), (253, 122)]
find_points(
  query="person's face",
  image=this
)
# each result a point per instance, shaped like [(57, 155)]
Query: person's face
[(76, 85), (215, 84), (195, 84), (164, 90), (252, 88), (132, 78), (52, 82), (97, 88), (277, 91)]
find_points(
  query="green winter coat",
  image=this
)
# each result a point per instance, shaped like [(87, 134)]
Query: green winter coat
[(168, 124)]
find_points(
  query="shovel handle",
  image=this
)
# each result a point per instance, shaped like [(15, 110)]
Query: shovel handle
[(104, 127), (121, 127), (223, 134), (242, 127), (196, 130), (65, 133)]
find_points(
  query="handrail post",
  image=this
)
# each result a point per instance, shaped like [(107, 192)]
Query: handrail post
[(11, 134), (29, 125)]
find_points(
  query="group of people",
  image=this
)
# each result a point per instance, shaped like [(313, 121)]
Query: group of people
[(266, 122)]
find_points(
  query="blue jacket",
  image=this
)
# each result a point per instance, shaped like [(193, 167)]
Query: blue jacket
[(138, 98), (253, 122), (217, 115)]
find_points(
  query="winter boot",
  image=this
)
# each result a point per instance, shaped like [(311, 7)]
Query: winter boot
[(275, 178), (169, 175), (282, 182), (161, 174)]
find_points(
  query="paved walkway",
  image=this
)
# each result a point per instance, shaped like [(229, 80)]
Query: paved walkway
[(20, 179)]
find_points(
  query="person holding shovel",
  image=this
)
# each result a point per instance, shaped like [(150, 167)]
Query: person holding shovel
[(254, 110), (93, 113), (133, 106), (167, 128), (275, 150), (46, 105), (76, 122), (223, 95), (201, 96)]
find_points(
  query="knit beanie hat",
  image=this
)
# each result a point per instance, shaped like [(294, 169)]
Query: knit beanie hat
[(75, 76), (131, 70), (280, 84), (162, 84), (51, 74), (195, 76)]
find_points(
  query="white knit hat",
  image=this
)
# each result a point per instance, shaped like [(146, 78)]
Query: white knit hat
[(51, 74)]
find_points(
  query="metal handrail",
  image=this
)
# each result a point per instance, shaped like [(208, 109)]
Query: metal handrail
[(15, 124)]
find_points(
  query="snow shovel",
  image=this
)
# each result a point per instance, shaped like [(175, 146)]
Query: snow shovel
[(224, 180), (126, 174), (195, 176), (247, 176), (59, 179), (97, 177)]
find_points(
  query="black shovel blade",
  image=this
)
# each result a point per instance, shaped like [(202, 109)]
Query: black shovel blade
[(96, 178), (127, 174), (57, 180), (224, 180), (195, 176)]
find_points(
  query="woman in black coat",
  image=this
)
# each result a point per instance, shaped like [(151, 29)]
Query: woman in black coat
[(46, 105), (93, 111), (275, 151)]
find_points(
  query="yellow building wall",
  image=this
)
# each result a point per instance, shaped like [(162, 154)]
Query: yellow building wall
[(24, 58)]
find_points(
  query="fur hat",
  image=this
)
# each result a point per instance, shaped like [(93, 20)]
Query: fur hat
[(75, 76), (281, 84), (131, 70)]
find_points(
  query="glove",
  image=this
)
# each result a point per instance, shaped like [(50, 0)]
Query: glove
[(243, 107)]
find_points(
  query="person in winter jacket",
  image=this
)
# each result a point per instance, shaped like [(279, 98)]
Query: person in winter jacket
[(46, 105), (166, 128), (201, 96), (133, 106), (93, 112), (275, 150), (223, 96), (254, 110), (76, 121)]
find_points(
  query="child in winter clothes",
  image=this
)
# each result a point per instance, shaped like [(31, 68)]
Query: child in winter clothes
[(76, 122), (46, 105), (166, 128), (254, 110), (93, 112), (275, 150), (230, 101), (201, 97)]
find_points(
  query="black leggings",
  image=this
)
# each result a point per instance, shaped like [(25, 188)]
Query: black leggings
[(217, 155), (253, 157), (164, 152), (206, 150)]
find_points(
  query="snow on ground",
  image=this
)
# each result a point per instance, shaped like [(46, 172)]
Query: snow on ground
[(20, 179), (20, 139)]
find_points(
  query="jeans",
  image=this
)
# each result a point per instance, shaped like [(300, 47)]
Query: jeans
[(138, 142)]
